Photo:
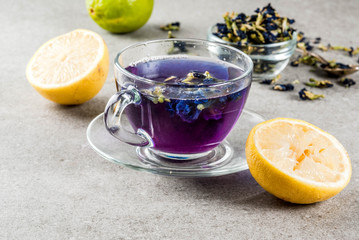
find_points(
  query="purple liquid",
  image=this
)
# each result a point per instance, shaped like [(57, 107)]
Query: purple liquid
[(182, 124)]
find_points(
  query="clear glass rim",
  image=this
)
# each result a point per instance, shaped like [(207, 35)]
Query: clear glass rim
[(244, 75), (278, 44)]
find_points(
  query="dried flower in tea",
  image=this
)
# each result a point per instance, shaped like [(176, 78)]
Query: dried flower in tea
[(200, 78)]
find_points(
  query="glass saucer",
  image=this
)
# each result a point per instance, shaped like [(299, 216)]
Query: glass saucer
[(121, 153)]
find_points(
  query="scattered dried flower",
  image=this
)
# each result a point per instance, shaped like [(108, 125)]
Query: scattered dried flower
[(303, 43), (266, 81), (170, 35), (317, 40), (319, 83), (350, 50), (178, 47), (304, 94), (283, 87), (294, 63), (276, 78), (347, 82), (312, 61), (323, 48), (270, 81), (175, 26)]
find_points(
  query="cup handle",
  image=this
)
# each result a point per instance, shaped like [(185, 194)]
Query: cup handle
[(113, 113)]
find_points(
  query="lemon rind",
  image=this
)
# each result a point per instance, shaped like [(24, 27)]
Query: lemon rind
[(100, 55)]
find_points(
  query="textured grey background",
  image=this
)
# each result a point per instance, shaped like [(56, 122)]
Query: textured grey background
[(53, 186)]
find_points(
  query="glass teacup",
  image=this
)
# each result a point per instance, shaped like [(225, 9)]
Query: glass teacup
[(178, 99)]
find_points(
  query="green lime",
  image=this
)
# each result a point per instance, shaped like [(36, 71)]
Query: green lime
[(120, 16)]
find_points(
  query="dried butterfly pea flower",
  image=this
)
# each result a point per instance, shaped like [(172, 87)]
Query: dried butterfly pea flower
[(170, 35), (356, 51), (305, 46), (178, 47), (175, 26), (266, 81), (347, 82), (199, 75), (317, 40), (300, 37), (312, 61), (323, 48), (294, 63), (308, 60), (200, 78), (156, 95), (266, 26), (270, 81), (319, 83), (350, 50), (260, 66), (303, 43), (186, 110), (276, 78), (170, 78), (283, 87), (200, 107), (342, 48), (189, 78), (196, 100), (333, 64), (304, 94), (308, 47)]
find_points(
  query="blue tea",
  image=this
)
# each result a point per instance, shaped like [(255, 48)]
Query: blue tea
[(188, 118)]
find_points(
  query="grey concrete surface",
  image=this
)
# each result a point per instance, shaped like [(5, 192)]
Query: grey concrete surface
[(54, 186)]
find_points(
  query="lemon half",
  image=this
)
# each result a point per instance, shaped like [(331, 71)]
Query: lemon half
[(297, 161), (71, 68)]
